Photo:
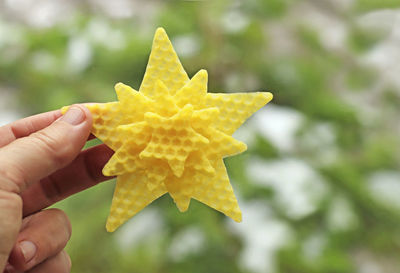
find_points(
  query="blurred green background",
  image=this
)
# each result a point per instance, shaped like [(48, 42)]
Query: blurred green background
[(319, 186)]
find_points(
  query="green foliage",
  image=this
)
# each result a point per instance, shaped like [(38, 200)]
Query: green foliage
[(367, 5), (245, 46)]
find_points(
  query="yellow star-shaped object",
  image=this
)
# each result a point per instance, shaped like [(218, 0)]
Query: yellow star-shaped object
[(171, 136)]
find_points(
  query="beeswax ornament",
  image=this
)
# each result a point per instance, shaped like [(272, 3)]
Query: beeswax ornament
[(171, 136)]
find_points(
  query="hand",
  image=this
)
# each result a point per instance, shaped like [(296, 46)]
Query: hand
[(41, 162)]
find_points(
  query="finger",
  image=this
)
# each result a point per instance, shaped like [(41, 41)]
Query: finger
[(84, 172), (60, 263), (43, 235), (25, 127), (34, 157), (10, 222)]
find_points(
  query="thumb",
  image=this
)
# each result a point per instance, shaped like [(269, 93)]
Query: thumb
[(31, 158)]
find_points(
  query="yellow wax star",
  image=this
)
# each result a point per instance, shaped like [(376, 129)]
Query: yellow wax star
[(171, 136)]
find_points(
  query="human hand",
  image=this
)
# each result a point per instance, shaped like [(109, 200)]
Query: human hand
[(41, 162)]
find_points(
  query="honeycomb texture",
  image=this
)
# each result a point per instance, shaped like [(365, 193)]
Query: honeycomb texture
[(163, 65), (130, 196), (235, 108), (171, 136)]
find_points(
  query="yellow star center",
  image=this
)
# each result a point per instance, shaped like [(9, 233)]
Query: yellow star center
[(173, 139)]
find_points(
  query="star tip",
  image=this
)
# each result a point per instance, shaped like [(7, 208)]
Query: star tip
[(119, 85), (243, 147), (178, 172), (148, 116), (110, 228), (187, 108), (183, 206), (120, 89), (182, 209), (238, 218), (268, 96), (151, 187), (203, 72), (210, 170), (64, 109), (106, 171), (160, 31)]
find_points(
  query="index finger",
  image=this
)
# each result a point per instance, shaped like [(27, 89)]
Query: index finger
[(84, 172), (26, 126)]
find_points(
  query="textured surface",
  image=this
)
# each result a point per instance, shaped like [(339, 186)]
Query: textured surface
[(171, 136)]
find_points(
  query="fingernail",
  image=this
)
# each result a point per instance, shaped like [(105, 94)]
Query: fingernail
[(28, 249), (74, 116)]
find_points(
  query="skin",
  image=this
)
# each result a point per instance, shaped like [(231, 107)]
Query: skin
[(42, 162)]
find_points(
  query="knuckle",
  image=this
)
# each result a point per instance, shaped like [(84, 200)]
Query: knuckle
[(10, 219), (53, 144), (11, 200), (11, 179)]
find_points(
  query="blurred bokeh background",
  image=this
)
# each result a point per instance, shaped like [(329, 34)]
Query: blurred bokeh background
[(319, 186)]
